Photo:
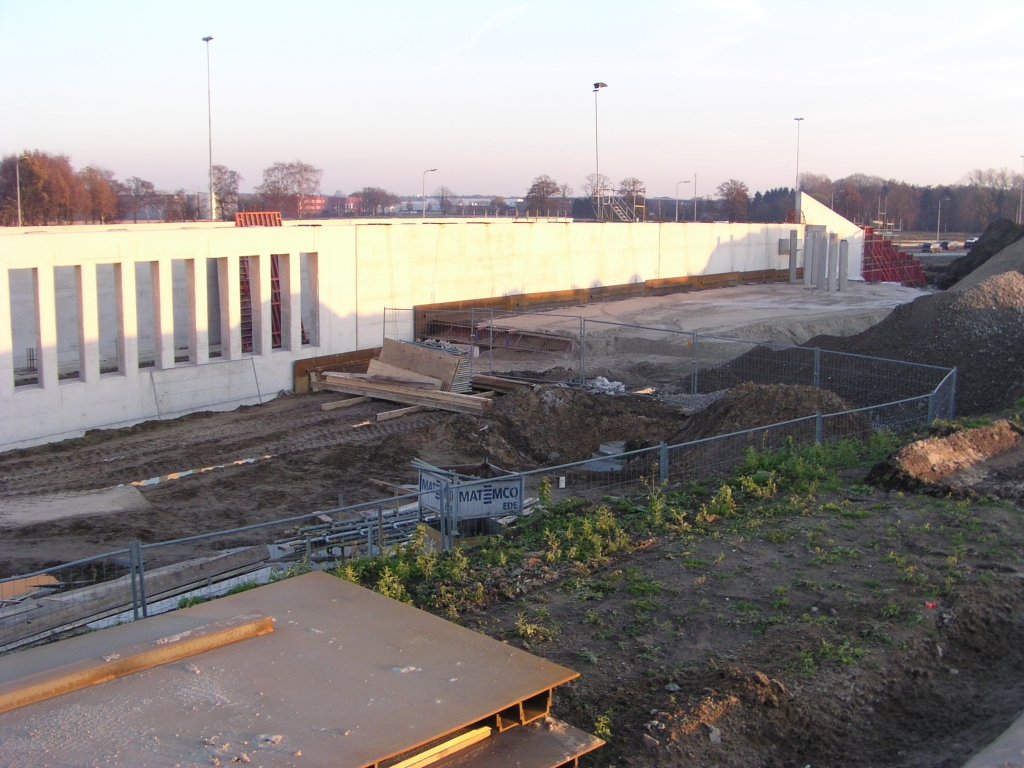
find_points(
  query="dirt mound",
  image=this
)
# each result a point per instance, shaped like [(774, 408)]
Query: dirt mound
[(979, 330), (925, 465), (997, 236), (750, 405), (563, 425)]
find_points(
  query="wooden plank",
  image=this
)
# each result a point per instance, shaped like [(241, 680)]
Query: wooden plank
[(422, 382), (498, 384), (452, 402), (353, 362), (398, 412), (437, 365), (344, 403), (18, 587), (382, 390), (384, 370)]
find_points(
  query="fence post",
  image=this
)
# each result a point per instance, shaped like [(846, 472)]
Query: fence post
[(135, 587), (931, 406), (693, 376), (142, 578), (490, 349), (817, 367), (380, 530), (952, 395), (817, 427), (472, 339), (583, 350), (662, 462)]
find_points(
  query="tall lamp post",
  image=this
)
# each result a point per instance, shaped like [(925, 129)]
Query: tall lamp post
[(597, 156), (938, 223), (677, 196), (17, 184), (209, 121), (695, 198), (796, 187), (1020, 208), (423, 191)]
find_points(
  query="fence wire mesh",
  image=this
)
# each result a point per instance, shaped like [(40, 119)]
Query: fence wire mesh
[(152, 578)]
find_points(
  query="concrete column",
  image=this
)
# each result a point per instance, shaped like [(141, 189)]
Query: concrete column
[(259, 287), (833, 262), (127, 320), (844, 264), (163, 313), (810, 241), (6, 338), (195, 290), (821, 262), (792, 255), (46, 304), (88, 323), (230, 308), (316, 309), (291, 301)]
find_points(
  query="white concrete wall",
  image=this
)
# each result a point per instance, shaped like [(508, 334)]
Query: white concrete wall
[(816, 213), (357, 268)]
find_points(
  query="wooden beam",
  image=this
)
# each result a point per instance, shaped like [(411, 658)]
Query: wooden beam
[(344, 403), (421, 382), (446, 401), (436, 364), (398, 412), (499, 384)]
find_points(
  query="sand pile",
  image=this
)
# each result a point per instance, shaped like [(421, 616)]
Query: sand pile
[(998, 235), (757, 405), (979, 330)]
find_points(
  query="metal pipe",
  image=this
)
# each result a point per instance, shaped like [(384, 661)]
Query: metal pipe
[(209, 121), (597, 157)]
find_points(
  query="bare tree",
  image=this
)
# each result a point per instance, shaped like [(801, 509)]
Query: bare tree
[(735, 198), (376, 200), (225, 190), (594, 183), (445, 199), (136, 195), (565, 193), (284, 182), (634, 190), (97, 199), (541, 197)]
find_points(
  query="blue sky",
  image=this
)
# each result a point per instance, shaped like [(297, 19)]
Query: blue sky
[(494, 94)]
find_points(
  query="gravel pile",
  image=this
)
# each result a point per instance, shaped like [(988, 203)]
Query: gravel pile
[(979, 330), (997, 236)]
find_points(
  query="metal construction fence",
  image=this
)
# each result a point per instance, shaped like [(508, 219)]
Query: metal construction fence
[(145, 579)]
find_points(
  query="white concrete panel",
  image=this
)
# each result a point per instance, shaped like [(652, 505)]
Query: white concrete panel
[(194, 388), (816, 213)]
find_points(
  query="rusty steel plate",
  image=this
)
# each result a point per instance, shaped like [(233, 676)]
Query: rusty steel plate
[(347, 678)]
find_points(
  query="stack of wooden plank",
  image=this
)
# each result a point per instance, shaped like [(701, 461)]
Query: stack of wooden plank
[(407, 374)]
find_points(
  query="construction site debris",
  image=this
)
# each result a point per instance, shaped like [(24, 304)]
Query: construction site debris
[(411, 357), (930, 465), (411, 381), (980, 331), (499, 384), (344, 403), (749, 406), (398, 393), (385, 371), (998, 235)]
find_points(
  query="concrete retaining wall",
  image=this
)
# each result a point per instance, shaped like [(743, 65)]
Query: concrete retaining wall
[(337, 278)]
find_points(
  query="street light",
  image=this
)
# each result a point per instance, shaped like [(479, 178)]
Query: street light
[(677, 196), (423, 191), (939, 222), (17, 184), (1020, 208), (695, 198), (796, 187), (597, 156), (209, 120)]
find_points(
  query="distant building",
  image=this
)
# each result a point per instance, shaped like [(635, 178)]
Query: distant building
[(310, 205)]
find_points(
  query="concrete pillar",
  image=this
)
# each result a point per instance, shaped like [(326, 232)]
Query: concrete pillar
[(195, 290), (291, 301), (259, 288), (163, 313), (316, 309), (127, 320), (810, 252), (833, 262), (46, 304), (88, 323), (6, 338), (844, 264), (792, 255), (821, 262), (230, 308)]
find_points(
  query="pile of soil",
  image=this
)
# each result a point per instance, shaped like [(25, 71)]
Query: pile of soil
[(552, 424), (750, 405), (979, 330), (934, 465), (998, 235)]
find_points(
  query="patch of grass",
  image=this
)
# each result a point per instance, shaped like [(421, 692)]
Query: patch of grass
[(245, 586), (188, 602), (638, 583)]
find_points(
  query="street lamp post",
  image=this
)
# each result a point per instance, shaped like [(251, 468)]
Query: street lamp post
[(423, 191), (597, 157), (1020, 208), (209, 121), (17, 184), (695, 198), (796, 187), (938, 223), (677, 196)]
